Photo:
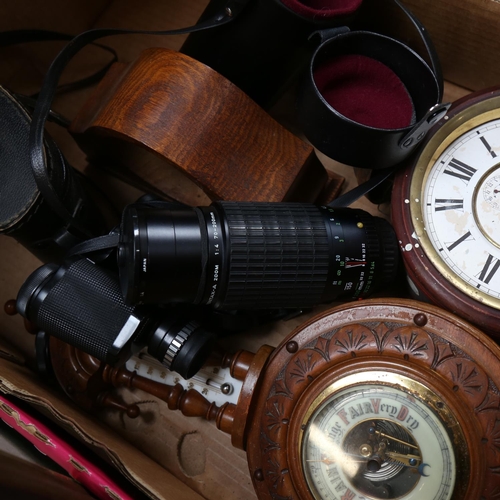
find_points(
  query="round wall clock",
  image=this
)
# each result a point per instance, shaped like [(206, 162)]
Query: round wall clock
[(446, 212)]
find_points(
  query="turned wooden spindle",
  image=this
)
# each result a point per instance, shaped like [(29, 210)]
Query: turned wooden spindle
[(89, 383), (189, 402), (238, 363), (245, 366), (107, 400), (232, 419), (10, 307)]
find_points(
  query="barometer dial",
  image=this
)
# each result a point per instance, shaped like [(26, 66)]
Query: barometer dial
[(377, 438)]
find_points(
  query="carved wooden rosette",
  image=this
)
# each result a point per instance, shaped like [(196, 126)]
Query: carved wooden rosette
[(455, 360), (80, 376)]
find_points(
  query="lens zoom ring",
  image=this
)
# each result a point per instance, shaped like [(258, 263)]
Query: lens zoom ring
[(85, 309), (278, 255)]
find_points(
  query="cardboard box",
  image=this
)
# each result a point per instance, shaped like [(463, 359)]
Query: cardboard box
[(465, 35), (166, 455)]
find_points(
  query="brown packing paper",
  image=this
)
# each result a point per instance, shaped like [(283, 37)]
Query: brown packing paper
[(138, 468)]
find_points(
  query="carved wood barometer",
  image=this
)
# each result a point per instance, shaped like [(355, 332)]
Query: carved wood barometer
[(446, 212), (378, 399)]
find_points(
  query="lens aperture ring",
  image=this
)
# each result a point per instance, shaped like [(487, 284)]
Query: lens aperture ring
[(373, 254), (366, 253)]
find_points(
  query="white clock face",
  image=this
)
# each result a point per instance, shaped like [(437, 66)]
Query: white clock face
[(460, 208), (374, 441)]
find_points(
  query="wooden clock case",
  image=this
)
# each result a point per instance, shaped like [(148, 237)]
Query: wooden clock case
[(411, 338), (427, 283)]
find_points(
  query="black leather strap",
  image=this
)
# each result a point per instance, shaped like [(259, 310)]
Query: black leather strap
[(354, 194), (49, 87), (14, 37), (427, 42), (232, 9), (106, 242)]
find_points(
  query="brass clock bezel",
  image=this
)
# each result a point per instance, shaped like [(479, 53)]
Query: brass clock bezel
[(466, 120), (383, 378), (405, 384)]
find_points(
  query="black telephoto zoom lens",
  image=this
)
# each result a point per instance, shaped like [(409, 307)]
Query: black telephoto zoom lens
[(249, 255), (81, 304)]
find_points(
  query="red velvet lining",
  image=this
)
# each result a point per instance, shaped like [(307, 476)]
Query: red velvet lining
[(365, 91), (322, 8)]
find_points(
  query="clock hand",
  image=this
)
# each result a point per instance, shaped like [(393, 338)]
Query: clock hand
[(326, 461), (408, 459), (351, 456), (387, 436), (329, 461)]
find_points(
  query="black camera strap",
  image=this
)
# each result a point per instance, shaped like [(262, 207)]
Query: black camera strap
[(49, 88), (364, 188), (14, 37), (99, 244)]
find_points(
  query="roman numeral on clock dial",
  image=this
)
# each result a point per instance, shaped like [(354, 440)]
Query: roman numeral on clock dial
[(489, 270), (454, 201), (457, 168), (488, 147), (457, 242), (448, 204)]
